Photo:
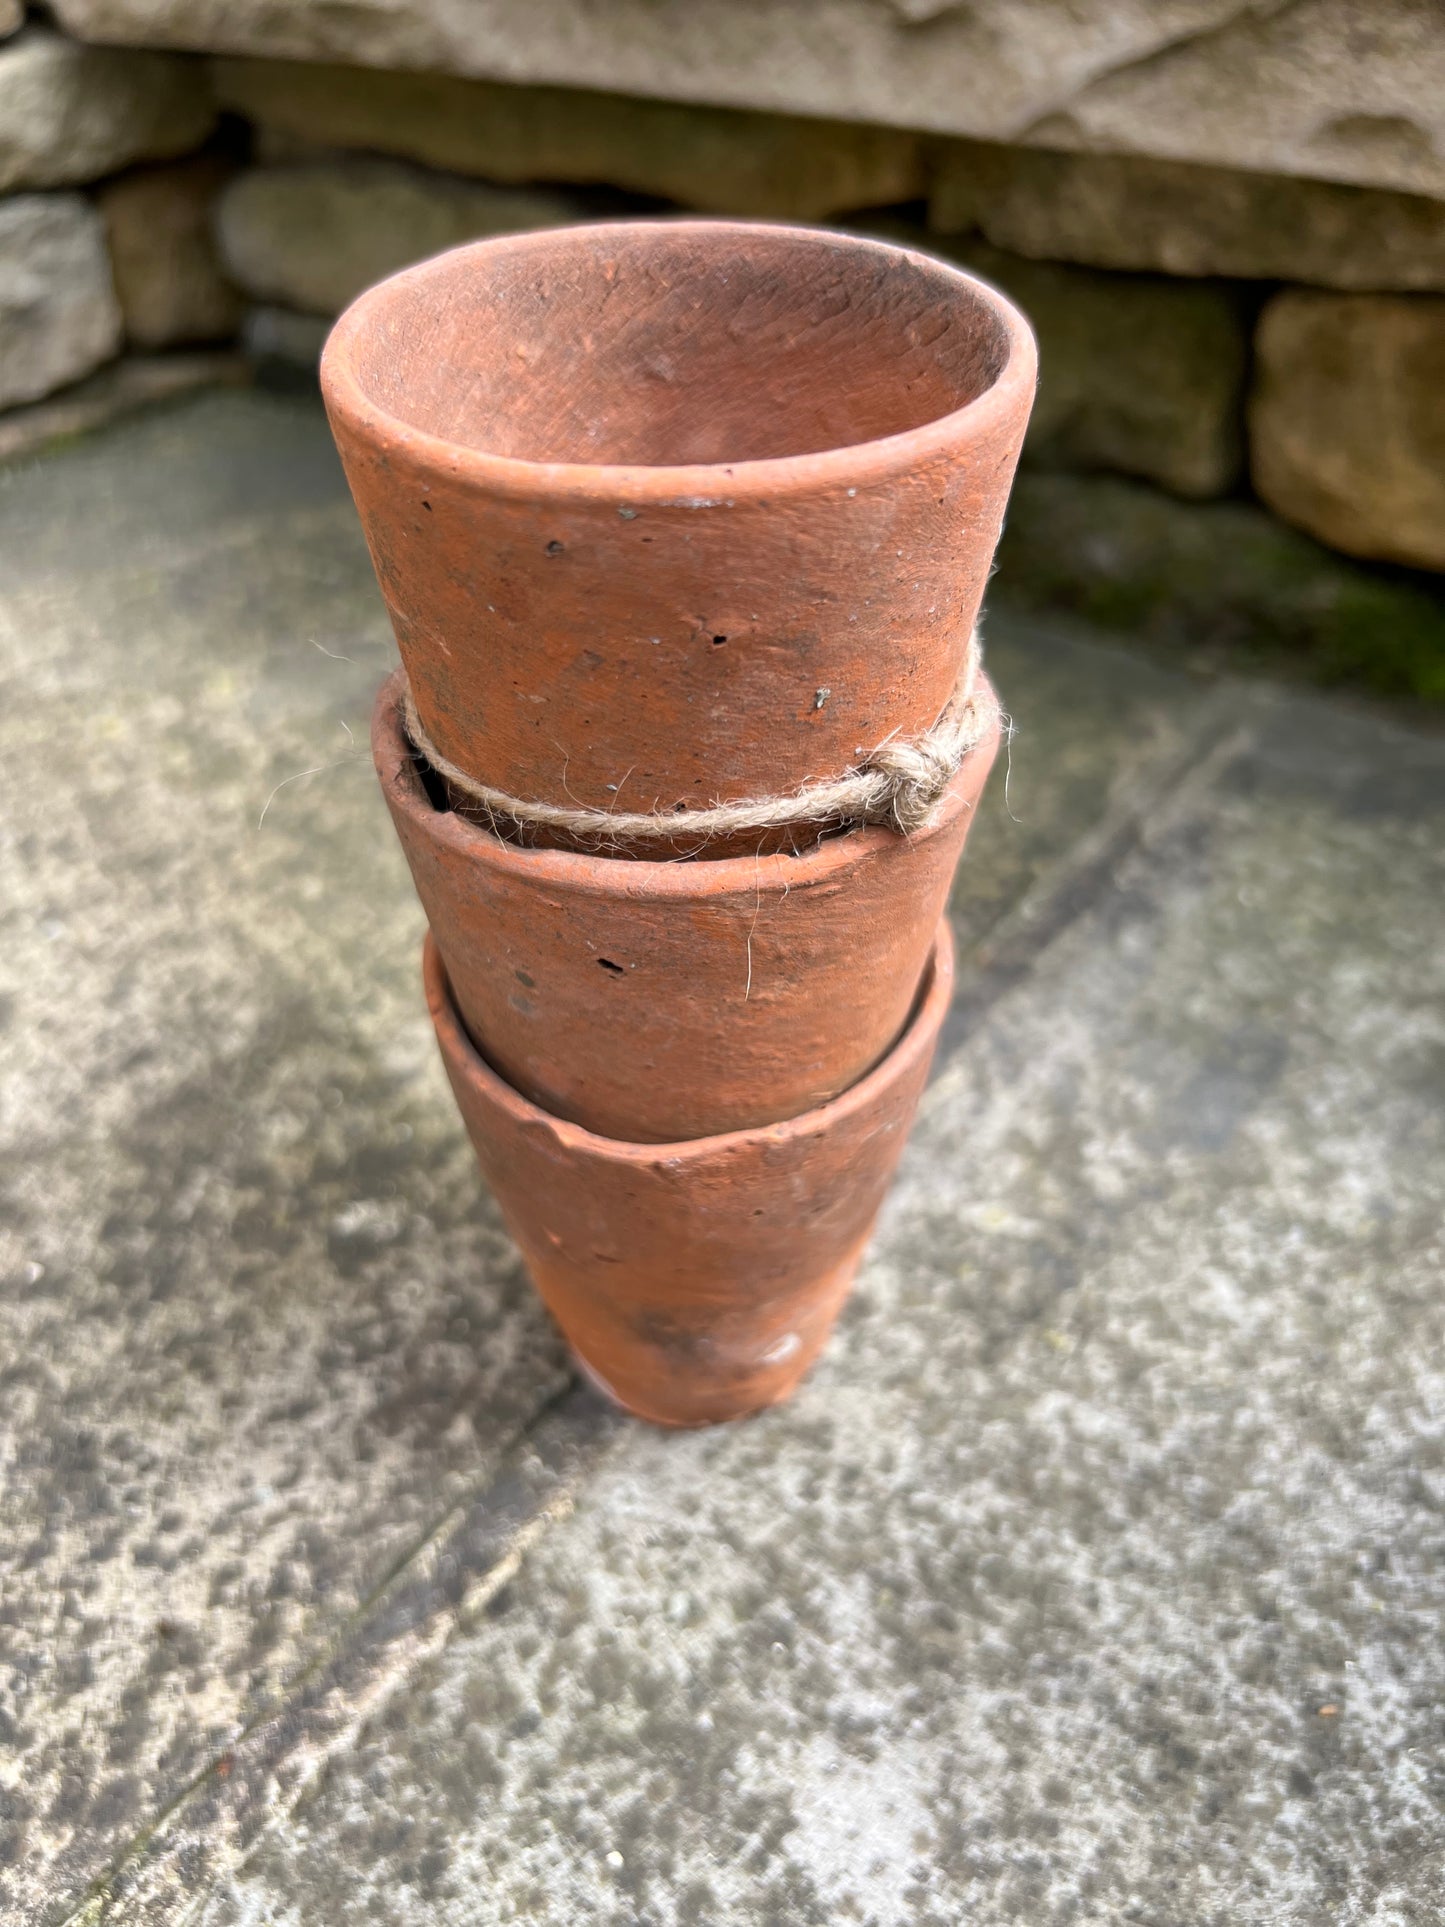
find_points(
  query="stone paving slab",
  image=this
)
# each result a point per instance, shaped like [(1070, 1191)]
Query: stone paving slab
[(1096, 1575), (265, 1352), (260, 1325)]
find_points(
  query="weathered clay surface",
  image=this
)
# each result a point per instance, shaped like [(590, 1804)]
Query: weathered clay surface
[(712, 159), (313, 235), (1094, 1575), (259, 1327), (59, 317), (1346, 428), (69, 114), (697, 1282), (163, 256), (730, 533), (652, 1001), (1124, 211), (1320, 88), (1138, 375)]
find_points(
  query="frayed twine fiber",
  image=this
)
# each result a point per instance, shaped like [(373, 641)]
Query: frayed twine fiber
[(897, 785)]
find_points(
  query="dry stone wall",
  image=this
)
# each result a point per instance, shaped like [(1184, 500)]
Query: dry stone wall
[(1340, 90), (97, 247), (1227, 221)]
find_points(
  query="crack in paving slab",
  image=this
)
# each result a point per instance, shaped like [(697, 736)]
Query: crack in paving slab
[(475, 1550), (1002, 956)]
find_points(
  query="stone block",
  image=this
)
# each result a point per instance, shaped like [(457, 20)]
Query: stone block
[(715, 159), (1329, 89), (1122, 211), (1137, 374), (70, 114), (163, 254), (313, 236), (1347, 421), (59, 317)]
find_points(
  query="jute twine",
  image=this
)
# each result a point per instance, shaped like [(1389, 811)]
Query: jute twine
[(898, 785)]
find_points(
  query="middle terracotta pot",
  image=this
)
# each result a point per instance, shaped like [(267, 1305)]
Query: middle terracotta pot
[(653, 1002)]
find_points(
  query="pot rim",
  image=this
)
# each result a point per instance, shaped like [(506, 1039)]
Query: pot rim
[(668, 874), (682, 485), (919, 1036)]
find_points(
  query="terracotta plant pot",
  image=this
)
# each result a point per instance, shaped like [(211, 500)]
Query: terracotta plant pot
[(652, 1001), (675, 513), (696, 1281)]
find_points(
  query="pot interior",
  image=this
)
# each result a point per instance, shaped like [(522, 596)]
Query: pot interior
[(656, 345)]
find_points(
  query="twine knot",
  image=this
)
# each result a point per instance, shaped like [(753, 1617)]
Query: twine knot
[(898, 785), (915, 776)]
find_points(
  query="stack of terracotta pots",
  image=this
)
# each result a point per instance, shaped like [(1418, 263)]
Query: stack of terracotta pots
[(670, 516)]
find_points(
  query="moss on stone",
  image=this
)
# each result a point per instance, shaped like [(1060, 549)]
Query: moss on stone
[(1219, 576)]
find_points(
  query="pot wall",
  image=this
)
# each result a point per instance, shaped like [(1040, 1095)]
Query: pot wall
[(720, 539), (697, 1281), (653, 1001)]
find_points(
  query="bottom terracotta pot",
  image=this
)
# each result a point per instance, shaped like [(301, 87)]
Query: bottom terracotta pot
[(696, 1281)]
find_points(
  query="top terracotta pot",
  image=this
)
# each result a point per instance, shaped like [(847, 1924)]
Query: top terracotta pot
[(674, 513)]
